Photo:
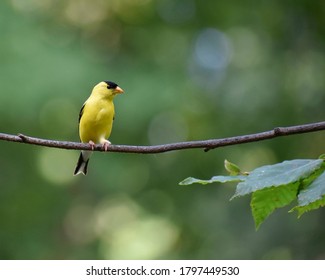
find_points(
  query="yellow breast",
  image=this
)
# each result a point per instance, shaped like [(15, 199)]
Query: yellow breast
[(97, 120)]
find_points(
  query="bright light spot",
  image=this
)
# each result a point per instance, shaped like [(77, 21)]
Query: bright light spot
[(114, 213), (212, 49), (147, 238), (248, 49), (83, 12), (31, 5), (125, 231), (57, 165), (210, 58)]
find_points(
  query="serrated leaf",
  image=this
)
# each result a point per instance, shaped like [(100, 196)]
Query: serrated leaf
[(315, 191), (279, 174), (214, 179), (265, 201), (312, 197), (312, 206)]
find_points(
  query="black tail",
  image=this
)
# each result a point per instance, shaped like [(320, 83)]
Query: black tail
[(81, 165)]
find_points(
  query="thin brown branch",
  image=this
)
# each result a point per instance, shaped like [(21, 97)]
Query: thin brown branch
[(204, 144)]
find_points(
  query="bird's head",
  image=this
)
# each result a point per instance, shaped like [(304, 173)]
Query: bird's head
[(107, 89)]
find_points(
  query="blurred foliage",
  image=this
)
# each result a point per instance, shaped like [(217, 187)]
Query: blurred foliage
[(276, 186), (191, 70)]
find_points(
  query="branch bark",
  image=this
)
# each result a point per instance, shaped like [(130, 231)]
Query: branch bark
[(204, 144)]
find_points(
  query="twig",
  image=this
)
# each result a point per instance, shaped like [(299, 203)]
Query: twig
[(205, 144)]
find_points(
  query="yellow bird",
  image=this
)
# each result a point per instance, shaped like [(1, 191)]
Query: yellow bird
[(96, 120)]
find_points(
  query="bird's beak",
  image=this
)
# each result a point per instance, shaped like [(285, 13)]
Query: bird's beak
[(118, 90)]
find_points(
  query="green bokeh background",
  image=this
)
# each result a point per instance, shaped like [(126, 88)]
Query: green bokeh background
[(190, 70)]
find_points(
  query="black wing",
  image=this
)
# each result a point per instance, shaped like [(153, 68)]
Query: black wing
[(81, 112)]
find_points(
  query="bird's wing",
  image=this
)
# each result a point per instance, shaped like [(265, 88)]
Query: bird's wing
[(81, 112)]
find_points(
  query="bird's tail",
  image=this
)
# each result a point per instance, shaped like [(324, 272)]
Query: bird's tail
[(82, 163)]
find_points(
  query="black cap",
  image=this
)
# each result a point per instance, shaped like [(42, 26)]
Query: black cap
[(111, 85)]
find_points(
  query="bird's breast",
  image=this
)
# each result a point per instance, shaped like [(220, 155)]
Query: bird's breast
[(96, 121)]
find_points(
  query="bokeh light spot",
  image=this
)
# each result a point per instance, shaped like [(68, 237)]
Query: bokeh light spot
[(210, 58), (57, 165), (147, 238), (126, 231), (113, 213), (32, 5), (212, 49), (248, 50), (83, 12)]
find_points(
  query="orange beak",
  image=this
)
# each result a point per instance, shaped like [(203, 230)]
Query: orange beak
[(118, 90)]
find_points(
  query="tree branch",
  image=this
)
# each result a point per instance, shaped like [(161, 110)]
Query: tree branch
[(205, 144)]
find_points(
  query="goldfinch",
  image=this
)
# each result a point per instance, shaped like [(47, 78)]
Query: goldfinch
[(96, 120)]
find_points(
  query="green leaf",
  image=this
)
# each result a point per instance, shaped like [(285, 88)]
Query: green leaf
[(315, 191), (279, 174), (265, 201), (322, 156), (312, 197), (275, 186), (312, 206), (214, 179), (232, 168)]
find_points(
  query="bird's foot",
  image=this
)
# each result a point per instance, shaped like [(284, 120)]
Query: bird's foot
[(92, 144), (106, 144)]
